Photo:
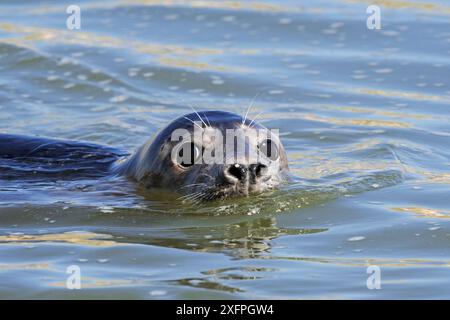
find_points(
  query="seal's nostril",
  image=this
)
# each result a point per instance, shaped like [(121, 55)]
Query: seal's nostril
[(238, 171), (258, 169)]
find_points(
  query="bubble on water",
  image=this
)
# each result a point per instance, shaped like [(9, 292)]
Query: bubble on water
[(228, 18), (119, 98), (148, 74), (106, 209), (77, 54), (285, 21), (105, 82), (52, 78), (65, 61), (69, 85), (297, 66), (102, 260), (329, 31), (196, 90), (356, 238), (171, 17), (217, 81), (273, 92), (434, 228), (158, 293), (375, 185), (132, 72), (253, 211), (383, 70), (82, 260), (174, 88), (390, 33), (141, 25), (336, 25)]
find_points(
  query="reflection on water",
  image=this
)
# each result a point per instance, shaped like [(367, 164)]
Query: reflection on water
[(363, 115), (243, 240), (79, 238)]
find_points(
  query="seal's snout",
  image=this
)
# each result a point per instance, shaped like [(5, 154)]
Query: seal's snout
[(243, 173)]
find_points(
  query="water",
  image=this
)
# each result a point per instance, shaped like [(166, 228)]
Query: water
[(364, 115)]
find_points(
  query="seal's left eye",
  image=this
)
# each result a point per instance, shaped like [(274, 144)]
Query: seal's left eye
[(269, 148), (187, 154)]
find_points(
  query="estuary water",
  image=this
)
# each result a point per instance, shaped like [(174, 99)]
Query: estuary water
[(364, 115)]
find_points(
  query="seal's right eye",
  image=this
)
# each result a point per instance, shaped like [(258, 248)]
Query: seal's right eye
[(188, 154), (270, 149)]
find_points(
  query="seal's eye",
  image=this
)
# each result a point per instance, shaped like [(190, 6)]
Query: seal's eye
[(269, 148), (187, 154)]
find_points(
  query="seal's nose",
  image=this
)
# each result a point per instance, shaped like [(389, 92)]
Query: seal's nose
[(239, 172)]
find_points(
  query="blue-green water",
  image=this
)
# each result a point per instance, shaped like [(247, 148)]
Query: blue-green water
[(364, 116)]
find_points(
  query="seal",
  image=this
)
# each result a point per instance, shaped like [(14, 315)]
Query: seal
[(203, 155)]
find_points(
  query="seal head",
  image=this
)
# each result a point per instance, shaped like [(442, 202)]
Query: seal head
[(209, 155)]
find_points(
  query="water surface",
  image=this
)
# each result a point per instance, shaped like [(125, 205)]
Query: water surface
[(364, 116)]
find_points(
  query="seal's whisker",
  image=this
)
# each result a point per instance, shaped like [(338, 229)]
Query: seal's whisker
[(197, 197), (193, 122), (250, 106), (206, 117), (254, 118), (195, 111), (189, 196), (192, 185)]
